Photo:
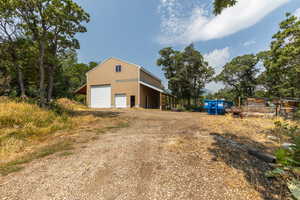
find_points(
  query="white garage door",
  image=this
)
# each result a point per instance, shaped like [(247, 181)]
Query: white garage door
[(101, 96), (120, 100)]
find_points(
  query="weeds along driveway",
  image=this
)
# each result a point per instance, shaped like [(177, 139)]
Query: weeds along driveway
[(161, 155)]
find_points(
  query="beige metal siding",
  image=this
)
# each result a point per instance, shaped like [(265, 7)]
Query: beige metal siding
[(124, 82), (145, 77)]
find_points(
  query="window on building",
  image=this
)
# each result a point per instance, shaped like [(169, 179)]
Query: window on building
[(118, 68)]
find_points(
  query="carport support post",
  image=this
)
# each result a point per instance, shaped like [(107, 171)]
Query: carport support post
[(160, 100)]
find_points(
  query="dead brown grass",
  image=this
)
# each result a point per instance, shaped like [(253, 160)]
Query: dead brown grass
[(210, 142), (22, 124), (70, 104), (27, 130), (256, 129)]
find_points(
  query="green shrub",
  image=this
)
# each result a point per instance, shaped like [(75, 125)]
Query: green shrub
[(80, 98), (288, 156), (297, 114), (180, 108)]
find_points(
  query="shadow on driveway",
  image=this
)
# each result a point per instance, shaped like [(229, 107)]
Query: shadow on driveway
[(230, 149), (97, 113)]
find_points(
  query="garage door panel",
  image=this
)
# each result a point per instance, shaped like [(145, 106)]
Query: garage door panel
[(120, 101), (101, 96)]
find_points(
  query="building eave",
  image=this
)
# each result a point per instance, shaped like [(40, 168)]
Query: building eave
[(79, 89), (151, 86)]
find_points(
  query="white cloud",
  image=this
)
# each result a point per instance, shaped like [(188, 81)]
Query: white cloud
[(249, 43), (297, 13), (214, 87), (178, 26), (218, 58)]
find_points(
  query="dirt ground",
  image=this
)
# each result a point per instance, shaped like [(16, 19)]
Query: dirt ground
[(161, 155)]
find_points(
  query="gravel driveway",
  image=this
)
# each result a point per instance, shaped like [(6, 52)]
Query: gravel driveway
[(161, 155)]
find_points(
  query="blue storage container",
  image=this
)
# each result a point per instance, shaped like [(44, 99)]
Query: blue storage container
[(217, 107)]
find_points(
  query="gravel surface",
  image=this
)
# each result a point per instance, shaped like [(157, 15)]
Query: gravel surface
[(161, 155)]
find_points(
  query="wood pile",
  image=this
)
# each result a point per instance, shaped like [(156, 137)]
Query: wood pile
[(263, 107), (235, 111), (259, 105), (287, 108)]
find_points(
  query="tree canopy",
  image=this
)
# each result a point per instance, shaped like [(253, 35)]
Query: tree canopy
[(45, 31), (280, 74), (282, 62), (220, 5), (240, 75), (187, 72)]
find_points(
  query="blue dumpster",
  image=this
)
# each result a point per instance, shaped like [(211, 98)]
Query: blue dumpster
[(217, 107)]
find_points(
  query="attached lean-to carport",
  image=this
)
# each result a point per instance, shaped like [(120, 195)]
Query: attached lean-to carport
[(149, 95), (155, 98)]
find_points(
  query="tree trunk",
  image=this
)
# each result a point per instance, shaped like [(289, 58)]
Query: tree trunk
[(50, 82), (189, 101), (52, 68), (21, 82), (42, 74), (20, 75)]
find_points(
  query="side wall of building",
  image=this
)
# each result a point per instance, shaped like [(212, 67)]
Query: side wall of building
[(124, 82), (145, 77)]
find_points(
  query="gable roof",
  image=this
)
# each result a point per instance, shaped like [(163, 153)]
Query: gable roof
[(138, 66)]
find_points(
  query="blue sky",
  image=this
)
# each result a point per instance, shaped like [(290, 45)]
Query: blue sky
[(136, 30)]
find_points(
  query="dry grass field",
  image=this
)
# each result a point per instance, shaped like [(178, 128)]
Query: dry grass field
[(28, 132)]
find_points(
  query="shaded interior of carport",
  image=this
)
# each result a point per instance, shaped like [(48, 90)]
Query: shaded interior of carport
[(149, 97), (155, 98)]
